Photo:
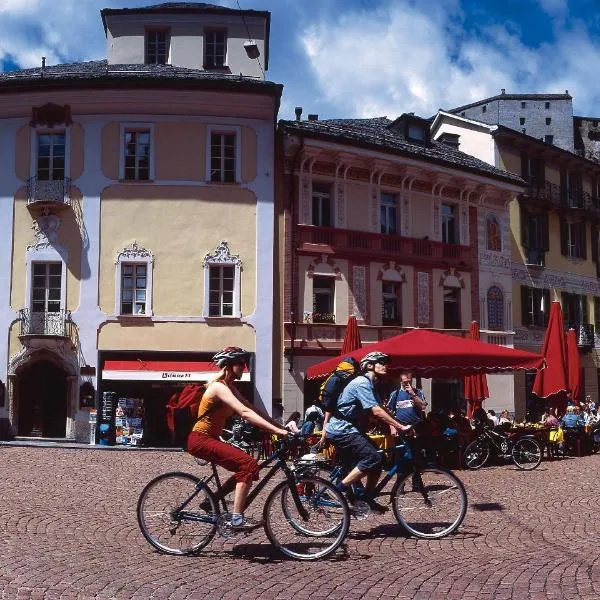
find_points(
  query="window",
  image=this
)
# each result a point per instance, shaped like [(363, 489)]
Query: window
[(392, 303), (51, 156), (223, 157), (495, 308), (449, 225), (521, 120), (597, 313), (323, 300), (484, 108), (575, 310), (416, 132), (46, 287), (215, 49), (523, 104), (452, 318), (221, 283), (548, 120), (157, 47), (321, 205), (134, 282), (494, 234), (389, 214), (462, 114), (549, 139), (535, 306), (573, 243), (547, 105), (137, 155)]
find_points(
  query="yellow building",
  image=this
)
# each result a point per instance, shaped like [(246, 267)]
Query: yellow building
[(137, 205), (554, 239)]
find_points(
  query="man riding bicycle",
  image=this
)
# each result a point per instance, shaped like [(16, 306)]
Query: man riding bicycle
[(347, 426)]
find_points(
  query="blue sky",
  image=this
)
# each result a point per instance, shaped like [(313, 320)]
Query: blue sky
[(360, 58)]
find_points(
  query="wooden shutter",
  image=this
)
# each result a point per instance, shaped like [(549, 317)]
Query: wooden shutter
[(540, 173), (564, 237), (594, 234), (597, 312), (585, 314), (563, 185), (525, 241), (545, 241), (583, 226), (546, 297), (525, 306)]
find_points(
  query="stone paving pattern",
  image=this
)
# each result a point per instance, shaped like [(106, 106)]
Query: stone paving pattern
[(68, 531)]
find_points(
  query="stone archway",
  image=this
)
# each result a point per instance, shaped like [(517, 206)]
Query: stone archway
[(43, 400)]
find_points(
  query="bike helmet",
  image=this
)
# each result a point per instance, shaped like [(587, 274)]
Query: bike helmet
[(230, 356), (372, 358)]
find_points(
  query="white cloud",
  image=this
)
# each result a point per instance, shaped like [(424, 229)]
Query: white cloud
[(409, 58), (18, 7)]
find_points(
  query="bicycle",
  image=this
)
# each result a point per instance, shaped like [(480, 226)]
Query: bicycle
[(429, 502), (178, 513), (525, 451)]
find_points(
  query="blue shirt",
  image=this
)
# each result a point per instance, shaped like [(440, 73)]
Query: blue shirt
[(572, 421), (401, 405), (358, 397)]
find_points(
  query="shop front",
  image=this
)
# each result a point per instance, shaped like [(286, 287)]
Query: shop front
[(136, 387)]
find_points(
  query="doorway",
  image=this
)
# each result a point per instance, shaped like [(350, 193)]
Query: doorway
[(43, 400)]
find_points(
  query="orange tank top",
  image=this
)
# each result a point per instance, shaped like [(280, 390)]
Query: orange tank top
[(213, 423)]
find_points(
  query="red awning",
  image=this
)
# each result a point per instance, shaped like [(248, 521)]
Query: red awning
[(161, 370), (432, 354)]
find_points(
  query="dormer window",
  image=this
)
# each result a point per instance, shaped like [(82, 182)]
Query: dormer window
[(157, 47), (416, 132), (215, 49)]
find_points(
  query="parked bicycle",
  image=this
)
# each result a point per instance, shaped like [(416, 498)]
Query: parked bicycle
[(179, 513), (525, 451), (429, 502)]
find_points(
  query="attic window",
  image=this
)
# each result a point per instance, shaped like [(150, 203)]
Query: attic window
[(523, 104), (416, 132), (484, 108), (547, 105)]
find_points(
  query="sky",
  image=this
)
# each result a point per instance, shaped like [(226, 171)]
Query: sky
[(367, 58)]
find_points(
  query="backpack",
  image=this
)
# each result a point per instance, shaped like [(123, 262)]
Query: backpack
[(182, 412), (331, 389)]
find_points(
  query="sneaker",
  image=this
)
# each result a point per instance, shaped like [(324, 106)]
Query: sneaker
[(376, 506), (347, 491), (247, 524)]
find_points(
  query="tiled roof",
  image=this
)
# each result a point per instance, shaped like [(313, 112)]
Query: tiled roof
[(375, 134), (99, 72), (512, 97)]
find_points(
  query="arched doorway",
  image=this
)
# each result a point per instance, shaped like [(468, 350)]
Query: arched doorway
[(43, 400)]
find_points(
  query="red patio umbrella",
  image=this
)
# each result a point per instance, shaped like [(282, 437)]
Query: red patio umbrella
[(476, 387), (551, 382), (432, 354), (351, 336), (573, 366)]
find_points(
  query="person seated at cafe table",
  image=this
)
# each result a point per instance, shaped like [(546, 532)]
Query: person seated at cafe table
[(505, 418), (549, 419), (572, 420)]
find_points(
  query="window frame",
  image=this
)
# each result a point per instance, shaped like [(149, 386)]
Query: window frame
[(214, 31), (575, 240), (155, 31), (222, 257), (224, 130), (493, 219), (385, 208), (539, 317), (397, 295), (134, 288), (457, 293), (332, 294), (134, 254), (34, 153), (320, 196), (498, 309), (137, 127), (455, 228)]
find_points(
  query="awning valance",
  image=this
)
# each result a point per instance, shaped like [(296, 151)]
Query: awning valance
[(161, 370)]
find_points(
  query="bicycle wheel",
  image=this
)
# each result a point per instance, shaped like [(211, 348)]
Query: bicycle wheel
[(476, 454), (172, 518), (321, 533), (429, 504), (527, 453)]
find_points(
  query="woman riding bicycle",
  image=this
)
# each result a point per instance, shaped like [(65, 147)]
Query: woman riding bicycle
[(220, 401)]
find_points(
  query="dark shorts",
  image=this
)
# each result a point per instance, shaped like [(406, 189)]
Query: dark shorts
[(357, 450), (224, 455)]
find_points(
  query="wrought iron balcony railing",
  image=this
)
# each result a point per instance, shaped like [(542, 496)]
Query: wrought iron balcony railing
[(49, 191), (584, 333), (534, 257), (56, 324), (551, 193)]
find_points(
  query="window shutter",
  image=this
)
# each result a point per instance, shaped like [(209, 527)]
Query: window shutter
[(525, 306), (564, 237), (540, 174), (597, 312), (585, 310), (563, 184), (524, 227), (545, 241), (546, 297), (594, 234), (583, 226)]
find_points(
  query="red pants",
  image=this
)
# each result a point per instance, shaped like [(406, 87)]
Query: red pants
[(224, 455)]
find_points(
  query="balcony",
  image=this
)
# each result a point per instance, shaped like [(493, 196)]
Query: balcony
[(49, 192), (571, 198), (534, 257), (585, 335), (45, 324), (384, 247)]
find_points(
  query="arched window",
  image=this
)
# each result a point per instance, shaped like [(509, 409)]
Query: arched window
[(493, 234), (495, 308)]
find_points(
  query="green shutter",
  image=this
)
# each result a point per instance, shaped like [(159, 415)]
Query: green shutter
[(545, 241), (525, 241), (564, 237), (584, 240)]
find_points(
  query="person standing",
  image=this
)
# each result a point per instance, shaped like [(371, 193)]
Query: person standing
[(407, 403)]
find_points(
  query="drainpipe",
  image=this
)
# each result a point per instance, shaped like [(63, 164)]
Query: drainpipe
[(293, 274)]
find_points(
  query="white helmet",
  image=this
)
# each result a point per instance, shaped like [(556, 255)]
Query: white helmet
[(230, 356), (372, 358)]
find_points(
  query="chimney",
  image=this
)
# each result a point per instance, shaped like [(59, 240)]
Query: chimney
[(503, 91), (298, 111), (313, 117), (43, 65), (450, 139)]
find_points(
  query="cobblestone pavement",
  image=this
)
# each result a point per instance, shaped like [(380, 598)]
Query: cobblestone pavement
[(68, 531)]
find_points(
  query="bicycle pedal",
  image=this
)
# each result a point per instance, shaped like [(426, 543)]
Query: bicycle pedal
[(224, 527)]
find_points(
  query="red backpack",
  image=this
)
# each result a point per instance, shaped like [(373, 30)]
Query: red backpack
[(182, 412)]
